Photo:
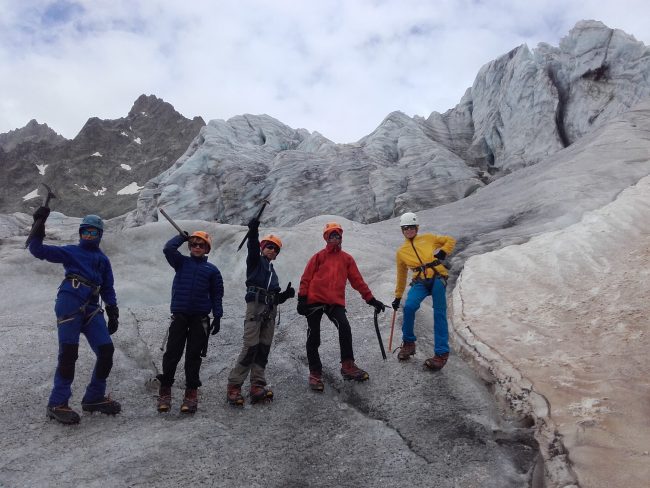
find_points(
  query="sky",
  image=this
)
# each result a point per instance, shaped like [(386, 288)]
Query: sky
[(332, 66)]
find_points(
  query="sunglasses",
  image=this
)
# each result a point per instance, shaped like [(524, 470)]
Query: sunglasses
[(89, 232), (272, 247), (334, 235), (200, 245), (409, 227)]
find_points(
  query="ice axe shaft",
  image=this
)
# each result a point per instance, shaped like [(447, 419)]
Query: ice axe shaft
[(259, 214), (40, 222), (392, 328), (381, 343), (164, 214), (50, 195)]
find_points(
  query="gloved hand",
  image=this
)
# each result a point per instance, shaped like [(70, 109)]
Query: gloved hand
[(286, 294), (186, 236), (254, 224), (379, 307), (303, 308), (113, 314), (440, 255), (41, 213), (395, 303), (216, 325)]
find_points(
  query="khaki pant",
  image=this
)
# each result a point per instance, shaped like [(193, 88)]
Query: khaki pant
[(258, 336)]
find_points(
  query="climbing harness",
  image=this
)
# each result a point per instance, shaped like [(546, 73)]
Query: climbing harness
[(76, 282)]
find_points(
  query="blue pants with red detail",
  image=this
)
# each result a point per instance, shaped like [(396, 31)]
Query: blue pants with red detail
[(72, 323), (418, 292)]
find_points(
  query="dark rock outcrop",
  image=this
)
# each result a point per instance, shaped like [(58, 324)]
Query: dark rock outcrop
[(103, 167)]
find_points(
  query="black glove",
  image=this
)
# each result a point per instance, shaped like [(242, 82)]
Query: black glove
[(303, 308), (395, 303), (440, 255), (216, 325), (379, 307), (286, 294), (41, 213), (113, 314), (254, 224), (185, 235)]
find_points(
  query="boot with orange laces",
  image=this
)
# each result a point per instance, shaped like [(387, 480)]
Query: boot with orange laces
[(316, 381), (261, 394), (351, 371), (234, 395)]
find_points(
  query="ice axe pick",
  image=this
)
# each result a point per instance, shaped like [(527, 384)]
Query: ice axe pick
[(259, 214), (40, 222)]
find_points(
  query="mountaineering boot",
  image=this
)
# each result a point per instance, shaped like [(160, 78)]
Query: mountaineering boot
[(437, 362), (190, 401), (351, 371), (406, 351), (261, 393), (234, 395), (164, 399), (316, 381), (104, 405), (63, 414)]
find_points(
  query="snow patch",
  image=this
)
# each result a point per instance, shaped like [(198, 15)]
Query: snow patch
[(100, 193), (137, 140), (125, 166), (41, 168), (82, 187), (97, 154), (130, 189), (30, 195), (144, 113), (124, 134)]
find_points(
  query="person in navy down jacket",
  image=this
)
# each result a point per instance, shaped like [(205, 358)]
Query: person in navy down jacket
[(197, 290), (88, 277), (322, 291)]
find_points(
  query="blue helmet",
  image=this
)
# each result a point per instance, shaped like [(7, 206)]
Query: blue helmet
[(92, 221)]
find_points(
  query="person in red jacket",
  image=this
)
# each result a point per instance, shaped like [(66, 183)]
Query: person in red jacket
[(322, 291)]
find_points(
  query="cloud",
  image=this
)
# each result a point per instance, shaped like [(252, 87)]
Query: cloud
[(336, 67)]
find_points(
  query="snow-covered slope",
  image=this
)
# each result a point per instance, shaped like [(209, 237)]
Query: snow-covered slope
[(570, 312)]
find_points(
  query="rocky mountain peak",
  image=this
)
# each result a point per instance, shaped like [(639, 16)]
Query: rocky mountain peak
[(32, 132), (151, 106)]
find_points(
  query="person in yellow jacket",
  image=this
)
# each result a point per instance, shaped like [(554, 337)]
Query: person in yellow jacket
[(423, 255)]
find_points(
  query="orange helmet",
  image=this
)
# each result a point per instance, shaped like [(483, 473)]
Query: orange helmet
[(204, 236), (331, 227), (271, 238)]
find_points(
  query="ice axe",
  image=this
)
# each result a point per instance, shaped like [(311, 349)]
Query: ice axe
[(392, 327), (259, 214), (164, 214), (40, 222), (381, 343)]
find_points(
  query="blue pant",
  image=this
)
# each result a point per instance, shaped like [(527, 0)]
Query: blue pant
[(418, 292), (73, 323)]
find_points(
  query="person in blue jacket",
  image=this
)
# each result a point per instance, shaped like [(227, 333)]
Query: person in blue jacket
[(88, 277), (262, 298), (197, 290)]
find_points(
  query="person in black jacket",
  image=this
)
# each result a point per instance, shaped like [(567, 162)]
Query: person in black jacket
[(197, 290), (262, 298)]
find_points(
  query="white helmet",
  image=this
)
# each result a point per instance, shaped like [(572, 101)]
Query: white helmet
[(409, 218)]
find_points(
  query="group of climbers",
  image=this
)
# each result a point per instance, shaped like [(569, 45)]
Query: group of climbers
[(197, 291)]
